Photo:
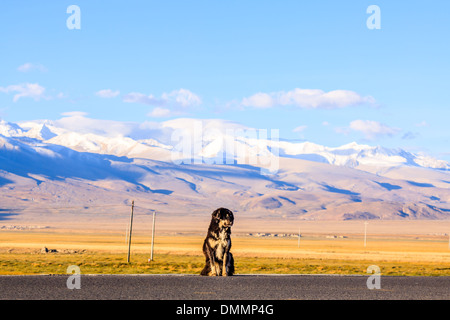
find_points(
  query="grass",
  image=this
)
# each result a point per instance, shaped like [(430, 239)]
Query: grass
[(113, 263), (106, 254), (97, 263)]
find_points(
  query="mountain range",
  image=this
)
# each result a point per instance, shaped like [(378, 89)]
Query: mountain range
[(189, 166)]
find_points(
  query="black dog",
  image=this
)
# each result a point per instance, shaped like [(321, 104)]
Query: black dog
[(217, 245)]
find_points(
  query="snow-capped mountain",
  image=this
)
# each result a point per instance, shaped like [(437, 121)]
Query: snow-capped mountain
[(188, 166), (204, 139)]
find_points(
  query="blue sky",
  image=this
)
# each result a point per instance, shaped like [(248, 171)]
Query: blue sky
[(311, 69)]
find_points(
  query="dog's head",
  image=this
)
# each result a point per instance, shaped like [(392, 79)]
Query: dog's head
[(223, 217)]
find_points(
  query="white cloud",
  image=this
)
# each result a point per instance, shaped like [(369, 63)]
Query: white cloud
[(307, 98), (159, 112), (74, 114), (183, 98), (77, 122), (107, 93), (300, 129), (27, 90), (174, 103), (136, 97), (259, 100), (372, 129), (26, 67)]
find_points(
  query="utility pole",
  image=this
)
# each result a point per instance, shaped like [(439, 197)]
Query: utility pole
[(153, 237), (131, 230), (365, 233)]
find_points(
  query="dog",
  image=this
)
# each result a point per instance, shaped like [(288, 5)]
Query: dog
[(217, 245)]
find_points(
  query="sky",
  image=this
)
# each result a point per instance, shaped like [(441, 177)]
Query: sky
[(316, 70)]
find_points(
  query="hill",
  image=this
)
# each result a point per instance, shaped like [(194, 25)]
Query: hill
[(185, 167)]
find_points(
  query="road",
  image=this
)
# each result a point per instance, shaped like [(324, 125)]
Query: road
[(240, 287)]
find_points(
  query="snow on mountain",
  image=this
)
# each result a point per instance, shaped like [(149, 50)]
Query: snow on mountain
[(48, 163), (40, 132), (8, 129), (204, 140)]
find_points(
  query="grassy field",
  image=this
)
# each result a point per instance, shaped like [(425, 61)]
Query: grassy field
[(20, 253)]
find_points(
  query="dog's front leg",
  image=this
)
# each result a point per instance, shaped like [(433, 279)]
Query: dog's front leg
[(225, 259), (224, 268), (218, 271), (214, 266)]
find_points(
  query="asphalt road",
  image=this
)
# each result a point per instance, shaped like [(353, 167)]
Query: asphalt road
[(239, 287)]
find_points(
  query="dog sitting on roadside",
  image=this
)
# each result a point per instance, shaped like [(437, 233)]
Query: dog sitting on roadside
[(217, 245)]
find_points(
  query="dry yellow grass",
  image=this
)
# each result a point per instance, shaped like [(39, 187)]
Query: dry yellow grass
[(106, 253)]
